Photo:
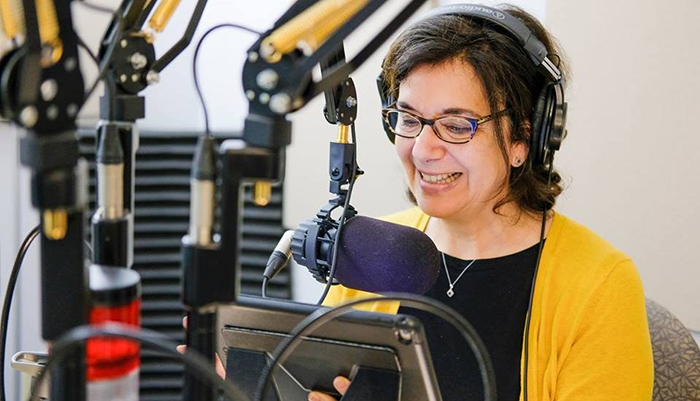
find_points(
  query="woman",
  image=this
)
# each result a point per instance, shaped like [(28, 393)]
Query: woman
[(465, 96)]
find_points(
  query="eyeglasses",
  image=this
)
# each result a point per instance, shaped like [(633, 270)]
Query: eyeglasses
[(451, 129)]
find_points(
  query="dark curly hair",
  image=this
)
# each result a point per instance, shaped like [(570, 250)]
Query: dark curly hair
[(508, 77)]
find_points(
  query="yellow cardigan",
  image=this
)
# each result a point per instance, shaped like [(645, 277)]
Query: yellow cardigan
[(589, 337)]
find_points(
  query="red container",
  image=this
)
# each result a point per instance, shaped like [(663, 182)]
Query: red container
[(113, 364)]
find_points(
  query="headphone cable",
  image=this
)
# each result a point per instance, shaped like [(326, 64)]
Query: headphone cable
[(532, 286)]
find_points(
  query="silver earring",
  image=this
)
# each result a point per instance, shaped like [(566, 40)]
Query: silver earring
[(518, 162)]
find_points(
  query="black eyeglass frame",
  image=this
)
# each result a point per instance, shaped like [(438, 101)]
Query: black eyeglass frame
[(474, 122)]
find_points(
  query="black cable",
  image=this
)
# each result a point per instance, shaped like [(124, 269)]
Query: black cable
[(7, 303), (323, 315), (264, 286), (532, 286), (108, 54), (89, 248), (343, 218), (109, 81), (61, 347), (106, 61), (85, 47), (194, 66), (97, 7)]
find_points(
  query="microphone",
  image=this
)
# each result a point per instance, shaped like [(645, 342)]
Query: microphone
[(110, 176), (373, 255), (203, 190)]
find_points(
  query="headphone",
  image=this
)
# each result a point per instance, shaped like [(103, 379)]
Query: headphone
[(549, 114)]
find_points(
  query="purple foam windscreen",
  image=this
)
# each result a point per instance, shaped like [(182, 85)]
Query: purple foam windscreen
[(378, 256)]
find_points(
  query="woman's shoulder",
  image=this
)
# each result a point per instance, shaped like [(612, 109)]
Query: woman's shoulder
[(576, 253), (413, 217), (573, 238)]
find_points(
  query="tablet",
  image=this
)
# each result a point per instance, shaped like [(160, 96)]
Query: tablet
[(385, 353)]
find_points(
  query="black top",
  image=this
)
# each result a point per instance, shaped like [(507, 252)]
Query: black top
[(493, 295)]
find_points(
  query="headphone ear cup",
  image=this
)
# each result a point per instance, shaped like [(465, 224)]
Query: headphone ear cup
[(387, 100), (541, 121), (557, 131)]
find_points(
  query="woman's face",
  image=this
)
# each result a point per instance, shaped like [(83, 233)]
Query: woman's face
[(449, 180)]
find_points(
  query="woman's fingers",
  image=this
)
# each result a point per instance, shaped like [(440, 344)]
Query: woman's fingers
[(220, 367), (218, 364), (341, 384)]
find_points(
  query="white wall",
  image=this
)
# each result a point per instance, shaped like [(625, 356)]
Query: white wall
[(9, 241), (220, 67), (631, 156)]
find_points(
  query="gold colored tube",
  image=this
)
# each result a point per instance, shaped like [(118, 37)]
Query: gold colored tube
[(49, 32), (314, 38), (162, 15), (312, 27), (55, 223), (9, 24), (262, 193), (48, 24), (343, 133)]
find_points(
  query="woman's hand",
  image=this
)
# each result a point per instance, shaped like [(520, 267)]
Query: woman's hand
[(219, 366), (340, 383)]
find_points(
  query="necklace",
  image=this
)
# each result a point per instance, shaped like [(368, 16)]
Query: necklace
[(450, 291)]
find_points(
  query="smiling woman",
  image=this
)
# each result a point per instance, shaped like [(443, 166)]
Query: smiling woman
[(449, 179), (476, 112)]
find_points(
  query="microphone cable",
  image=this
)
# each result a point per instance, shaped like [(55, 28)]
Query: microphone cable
[(110, 87), (160, 342), (532, 286), (263, 291), (195, 76), (342, 221), (200, 94), (87, 49), (7, 302), (341, 224), (324, 315)]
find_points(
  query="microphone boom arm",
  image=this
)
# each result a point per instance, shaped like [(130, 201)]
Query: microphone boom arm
[(294, 69)]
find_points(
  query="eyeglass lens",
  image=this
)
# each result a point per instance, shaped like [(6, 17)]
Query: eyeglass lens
[(451, 128)]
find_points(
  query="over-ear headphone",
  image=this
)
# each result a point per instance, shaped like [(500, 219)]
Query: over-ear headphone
[(549, 115)]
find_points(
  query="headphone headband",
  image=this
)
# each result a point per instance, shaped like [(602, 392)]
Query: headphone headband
[(517, 29), (549, 114)]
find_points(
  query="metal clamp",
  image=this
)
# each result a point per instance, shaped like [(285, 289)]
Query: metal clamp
[(32, 363)]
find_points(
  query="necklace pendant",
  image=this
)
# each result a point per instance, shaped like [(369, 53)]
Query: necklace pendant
[(450, 292)]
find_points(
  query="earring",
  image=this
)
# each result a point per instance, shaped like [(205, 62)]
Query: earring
[(518, 162)]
